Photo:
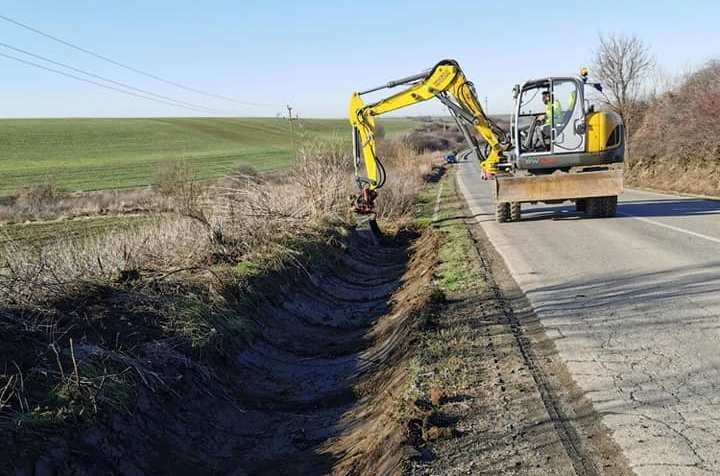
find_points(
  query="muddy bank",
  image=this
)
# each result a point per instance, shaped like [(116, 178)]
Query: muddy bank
[(316, 387)]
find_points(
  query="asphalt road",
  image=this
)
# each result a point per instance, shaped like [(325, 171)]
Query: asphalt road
[(633, 305)]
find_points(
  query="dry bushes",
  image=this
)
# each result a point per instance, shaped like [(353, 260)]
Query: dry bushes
[(436, 136), (241, 218), (173, 181), (29, 275), (87, 322), (39, 202), (678, 145), (407, 173)]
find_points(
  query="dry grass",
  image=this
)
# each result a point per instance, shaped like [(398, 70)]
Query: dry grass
[(678, 145), (241, 217), (46, 202), (168, 289)]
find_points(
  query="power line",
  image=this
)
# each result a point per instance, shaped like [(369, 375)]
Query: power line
[(124, 91), (102, 78), (131, 68)]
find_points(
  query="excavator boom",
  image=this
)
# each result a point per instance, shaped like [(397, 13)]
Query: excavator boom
[(444, 81)]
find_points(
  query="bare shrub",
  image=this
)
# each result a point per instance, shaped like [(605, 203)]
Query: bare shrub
[(244, 215), (622, 64), (423, 142), (39, 199), (71, 205), (407, 172), (171, 177), (678, 145), (244, 170), (28, 274)]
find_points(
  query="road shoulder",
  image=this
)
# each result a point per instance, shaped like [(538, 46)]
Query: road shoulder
[(487, 369)]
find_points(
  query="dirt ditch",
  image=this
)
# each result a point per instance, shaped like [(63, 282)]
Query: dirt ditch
[(319, 388)]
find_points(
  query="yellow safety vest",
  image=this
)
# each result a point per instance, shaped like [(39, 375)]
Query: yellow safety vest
[(553, 108), (572, 97)]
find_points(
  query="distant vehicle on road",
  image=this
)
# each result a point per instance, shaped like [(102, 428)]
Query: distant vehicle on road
[(451, 158)]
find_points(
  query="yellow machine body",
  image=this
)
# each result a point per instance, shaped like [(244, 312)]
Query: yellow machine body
[(600, 126)]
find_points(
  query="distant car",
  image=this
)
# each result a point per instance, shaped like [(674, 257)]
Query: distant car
[(451, 159)]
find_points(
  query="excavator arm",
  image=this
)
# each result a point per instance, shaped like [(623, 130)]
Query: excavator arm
[(445, 81)]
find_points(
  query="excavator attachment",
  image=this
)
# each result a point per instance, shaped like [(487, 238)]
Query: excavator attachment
[(559, 186), (446, 82)]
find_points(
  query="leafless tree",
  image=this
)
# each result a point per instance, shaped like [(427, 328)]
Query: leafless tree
[(622, 64)]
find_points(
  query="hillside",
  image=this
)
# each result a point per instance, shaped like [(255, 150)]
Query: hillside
[(678, 145), (96, 154)]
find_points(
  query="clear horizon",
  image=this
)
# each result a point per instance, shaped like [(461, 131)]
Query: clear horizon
[(314, 55)]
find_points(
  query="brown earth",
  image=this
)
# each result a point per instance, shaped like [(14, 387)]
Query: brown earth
[(318, 389)]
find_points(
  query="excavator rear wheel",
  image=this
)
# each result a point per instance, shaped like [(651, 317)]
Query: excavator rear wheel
[(601, 207), (515, 211), (502, 212), (610, 206), (595, 207)]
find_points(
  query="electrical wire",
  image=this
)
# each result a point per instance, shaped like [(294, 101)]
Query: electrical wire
[(117, 83), (124, 91), (132, 68)]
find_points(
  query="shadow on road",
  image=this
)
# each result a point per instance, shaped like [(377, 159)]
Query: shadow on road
[(638, 208)]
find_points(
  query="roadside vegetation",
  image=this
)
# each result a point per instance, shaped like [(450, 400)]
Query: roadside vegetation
[(80, 168), (671, 131), (444, 211), (677, 147), (100, 317)]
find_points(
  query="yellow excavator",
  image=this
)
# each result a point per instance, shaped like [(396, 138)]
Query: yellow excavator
[(558, 147)]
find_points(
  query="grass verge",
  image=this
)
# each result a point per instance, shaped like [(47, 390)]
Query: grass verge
[(443, 210)]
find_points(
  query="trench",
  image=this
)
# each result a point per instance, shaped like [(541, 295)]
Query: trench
[(331, 349), (318, 390)]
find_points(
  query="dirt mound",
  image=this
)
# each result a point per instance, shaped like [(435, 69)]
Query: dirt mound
[(316, 387), (678, 145)]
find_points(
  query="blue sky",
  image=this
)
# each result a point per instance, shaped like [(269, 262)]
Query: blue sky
[(312, 54)]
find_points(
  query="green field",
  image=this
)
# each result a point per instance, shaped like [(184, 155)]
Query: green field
[(96, 154)]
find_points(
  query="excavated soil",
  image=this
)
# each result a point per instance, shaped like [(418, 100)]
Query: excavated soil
[(318, 390)]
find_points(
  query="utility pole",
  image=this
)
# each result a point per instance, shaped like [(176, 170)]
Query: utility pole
[(486, 106), (292, 130)]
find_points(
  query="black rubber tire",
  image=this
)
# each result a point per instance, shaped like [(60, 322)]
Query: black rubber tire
[(595, 207), (515, 211), (580, 204), (502, 212), (609, 206)]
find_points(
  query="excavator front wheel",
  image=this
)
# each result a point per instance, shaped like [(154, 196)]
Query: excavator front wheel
[(502, 212), (515, 211)]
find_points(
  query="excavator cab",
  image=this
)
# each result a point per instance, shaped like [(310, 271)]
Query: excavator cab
[(549, 119), (562, 149)]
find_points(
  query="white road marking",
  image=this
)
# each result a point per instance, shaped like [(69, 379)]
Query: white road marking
[(674, 228)]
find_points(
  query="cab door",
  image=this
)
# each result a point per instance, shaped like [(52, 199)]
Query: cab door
[(568, 124)]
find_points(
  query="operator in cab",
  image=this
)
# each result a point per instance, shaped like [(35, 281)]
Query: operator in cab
[(552, 109)]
